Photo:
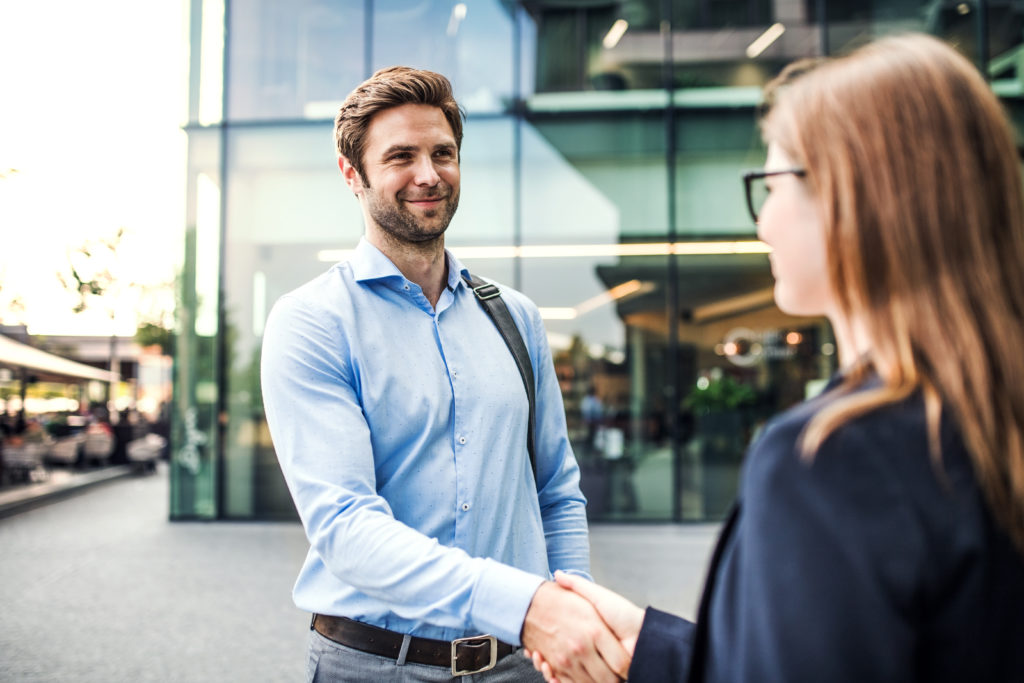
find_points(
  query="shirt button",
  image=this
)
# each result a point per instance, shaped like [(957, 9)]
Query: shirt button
[(462, 439), (407, 288), (465, 507)]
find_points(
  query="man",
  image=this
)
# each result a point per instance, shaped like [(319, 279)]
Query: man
[(400, 420)]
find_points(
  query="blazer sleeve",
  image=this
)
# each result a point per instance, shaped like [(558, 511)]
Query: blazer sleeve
[(663, 650)]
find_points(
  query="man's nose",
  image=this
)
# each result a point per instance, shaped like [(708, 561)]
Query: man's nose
[(424, 172)]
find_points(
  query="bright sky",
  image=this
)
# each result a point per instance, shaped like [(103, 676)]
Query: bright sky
[(92, 98)]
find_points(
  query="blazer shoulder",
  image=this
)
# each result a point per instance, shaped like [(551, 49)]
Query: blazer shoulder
[(887, 445)]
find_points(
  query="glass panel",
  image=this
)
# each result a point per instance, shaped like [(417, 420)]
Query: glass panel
[(738, 43), (853, 22), (622, 46), (290, 216), (1005, 61), (594, 198), (596, 46), (749, 362), (205, 21), (195, 434), (578, 186), (288, 213), (713, 150), (206, 52), (594, 178), (570, 54), (606, 324), (293, 60), (486, 212), (469, 42)]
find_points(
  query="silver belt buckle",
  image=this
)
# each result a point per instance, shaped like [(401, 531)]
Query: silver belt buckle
[(455, 652)]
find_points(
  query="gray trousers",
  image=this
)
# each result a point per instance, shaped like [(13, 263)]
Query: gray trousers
[(330, 662)]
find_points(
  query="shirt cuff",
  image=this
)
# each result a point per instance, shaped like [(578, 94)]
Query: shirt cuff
[(501, 600), (578, 572)]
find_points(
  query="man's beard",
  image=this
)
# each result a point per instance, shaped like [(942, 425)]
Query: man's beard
[(395, 219)]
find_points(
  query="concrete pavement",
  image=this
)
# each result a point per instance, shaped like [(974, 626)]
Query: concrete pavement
[(101, 587), (48, 485)]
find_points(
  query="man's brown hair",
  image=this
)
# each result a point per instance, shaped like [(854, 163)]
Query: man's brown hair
[(391, 87)]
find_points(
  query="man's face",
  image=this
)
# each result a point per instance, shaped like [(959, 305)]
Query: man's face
[(411, 165)]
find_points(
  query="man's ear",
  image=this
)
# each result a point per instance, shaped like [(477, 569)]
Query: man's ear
[(351, 175)]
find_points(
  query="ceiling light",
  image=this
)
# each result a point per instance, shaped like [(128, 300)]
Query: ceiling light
[(587, 250), (615, 34), (555, 313), (616, 293), (458, 14), (765, 40)]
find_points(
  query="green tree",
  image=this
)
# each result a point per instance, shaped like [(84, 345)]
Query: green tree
[(12, 307), (93, 277), (155, 334)]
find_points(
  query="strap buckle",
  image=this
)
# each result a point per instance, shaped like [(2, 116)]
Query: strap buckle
[(475, 642), (486, 291)]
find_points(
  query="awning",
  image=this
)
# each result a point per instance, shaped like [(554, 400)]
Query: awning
[(48, 366)]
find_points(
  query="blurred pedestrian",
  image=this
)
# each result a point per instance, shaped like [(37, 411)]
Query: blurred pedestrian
[(592, 412), (879, 531)]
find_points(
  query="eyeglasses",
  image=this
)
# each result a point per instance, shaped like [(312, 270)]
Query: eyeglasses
[(757, 189)]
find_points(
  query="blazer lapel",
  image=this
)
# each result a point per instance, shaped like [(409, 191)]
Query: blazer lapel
[(700, 649)]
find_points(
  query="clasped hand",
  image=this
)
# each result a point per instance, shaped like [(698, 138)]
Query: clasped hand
[(577, 631)]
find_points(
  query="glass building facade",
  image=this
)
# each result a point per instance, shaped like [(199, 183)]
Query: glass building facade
[(601, 166)]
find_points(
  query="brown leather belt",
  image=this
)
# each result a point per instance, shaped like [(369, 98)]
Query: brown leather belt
[(464, 655)]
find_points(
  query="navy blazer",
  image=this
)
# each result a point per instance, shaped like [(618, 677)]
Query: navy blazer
[(868, 563)]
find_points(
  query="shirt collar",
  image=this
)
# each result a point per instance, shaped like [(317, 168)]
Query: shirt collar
[(370, 263)]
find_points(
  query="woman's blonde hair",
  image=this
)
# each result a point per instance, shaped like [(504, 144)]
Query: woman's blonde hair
[(915, 165)]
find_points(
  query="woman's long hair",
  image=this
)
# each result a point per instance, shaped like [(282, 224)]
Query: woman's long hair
[(915, 164)]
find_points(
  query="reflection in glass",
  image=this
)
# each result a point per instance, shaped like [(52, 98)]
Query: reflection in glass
[(195, 438), (293, 60), (469, 42), (601, 172)]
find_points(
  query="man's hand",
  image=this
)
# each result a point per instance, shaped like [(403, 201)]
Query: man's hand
[(576, 645), (622, 617)]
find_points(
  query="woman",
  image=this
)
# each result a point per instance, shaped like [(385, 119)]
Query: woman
[(879, 530)]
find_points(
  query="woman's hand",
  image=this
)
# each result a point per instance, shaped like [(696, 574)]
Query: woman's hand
[(622, 617)]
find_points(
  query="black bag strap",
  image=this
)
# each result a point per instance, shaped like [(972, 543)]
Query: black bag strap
[(489, 297)]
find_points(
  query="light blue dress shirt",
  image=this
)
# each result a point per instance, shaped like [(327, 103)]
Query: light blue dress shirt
[(401, 431)]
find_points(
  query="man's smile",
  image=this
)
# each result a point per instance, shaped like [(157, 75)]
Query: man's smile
[(426, 202)]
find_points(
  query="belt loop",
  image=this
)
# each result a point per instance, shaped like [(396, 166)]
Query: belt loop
[(404, 651)]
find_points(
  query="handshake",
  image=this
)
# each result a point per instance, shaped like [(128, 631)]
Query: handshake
[(576, 631)]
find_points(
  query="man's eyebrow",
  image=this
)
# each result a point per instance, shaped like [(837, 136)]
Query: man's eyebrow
[(398, 148), (412, 148)]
